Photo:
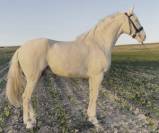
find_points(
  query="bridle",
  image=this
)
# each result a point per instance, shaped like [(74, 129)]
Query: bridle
[(134, 26)]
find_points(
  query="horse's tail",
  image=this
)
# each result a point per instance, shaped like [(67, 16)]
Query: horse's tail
[(14, 87)]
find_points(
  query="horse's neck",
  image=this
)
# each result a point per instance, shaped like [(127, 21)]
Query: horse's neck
[(107, 37), (105, 34)]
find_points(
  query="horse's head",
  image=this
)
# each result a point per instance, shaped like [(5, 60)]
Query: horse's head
[(133, 27)]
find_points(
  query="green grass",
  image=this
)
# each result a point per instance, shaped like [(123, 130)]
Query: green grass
[(5, 54), (5, 114), (136, 53), (134, 76), (58, 112)]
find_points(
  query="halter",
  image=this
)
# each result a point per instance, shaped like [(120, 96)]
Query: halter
[(135, 27)]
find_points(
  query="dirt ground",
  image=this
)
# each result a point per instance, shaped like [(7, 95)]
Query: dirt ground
[(61, 103)]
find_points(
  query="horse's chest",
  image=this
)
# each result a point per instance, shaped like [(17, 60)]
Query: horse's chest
[(99, 62)]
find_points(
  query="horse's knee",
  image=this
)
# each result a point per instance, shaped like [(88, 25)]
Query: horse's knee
[(24, 97), (28, 90)]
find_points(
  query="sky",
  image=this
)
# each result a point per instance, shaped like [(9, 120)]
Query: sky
[(64, 20)]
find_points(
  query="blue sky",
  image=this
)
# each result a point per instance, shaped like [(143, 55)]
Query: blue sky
[(22, 20)]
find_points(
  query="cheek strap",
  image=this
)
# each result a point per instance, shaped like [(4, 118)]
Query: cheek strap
[(134, 26)]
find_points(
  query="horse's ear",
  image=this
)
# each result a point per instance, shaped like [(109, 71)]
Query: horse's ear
[(131, 11)]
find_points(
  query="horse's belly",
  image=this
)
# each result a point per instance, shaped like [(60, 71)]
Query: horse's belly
[(68, 60), (69, 71)]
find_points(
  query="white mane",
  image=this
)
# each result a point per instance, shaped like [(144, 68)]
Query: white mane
[(103, 22)]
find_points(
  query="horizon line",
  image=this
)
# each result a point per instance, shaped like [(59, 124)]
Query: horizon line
[(118, 44)]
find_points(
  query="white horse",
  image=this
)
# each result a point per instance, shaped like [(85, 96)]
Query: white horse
[(89, 56)]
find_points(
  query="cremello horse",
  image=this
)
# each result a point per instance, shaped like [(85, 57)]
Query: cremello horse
[(89, 56)]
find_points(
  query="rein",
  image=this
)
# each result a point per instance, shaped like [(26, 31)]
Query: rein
[(135, 27)]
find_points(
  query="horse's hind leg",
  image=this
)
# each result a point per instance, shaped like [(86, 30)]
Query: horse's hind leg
[(28, 113)]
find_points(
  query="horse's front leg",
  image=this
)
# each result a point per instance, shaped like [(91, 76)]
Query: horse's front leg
[(94, 84)]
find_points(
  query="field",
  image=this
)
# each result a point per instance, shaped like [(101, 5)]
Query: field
[(128, 99)]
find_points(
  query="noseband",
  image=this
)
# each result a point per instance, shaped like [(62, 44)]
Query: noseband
[(136, 29)]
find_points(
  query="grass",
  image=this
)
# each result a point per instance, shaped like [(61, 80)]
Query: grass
[(6, 112), (58, 112), (134, 76), (5, 54), (136, 53)]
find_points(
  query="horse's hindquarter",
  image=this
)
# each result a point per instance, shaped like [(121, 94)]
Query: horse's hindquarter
[(68, 59), (32, 56)]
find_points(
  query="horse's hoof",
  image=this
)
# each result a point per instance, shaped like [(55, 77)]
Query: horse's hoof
[(99, 128), (25, 120), (31, 124), (93, 120)]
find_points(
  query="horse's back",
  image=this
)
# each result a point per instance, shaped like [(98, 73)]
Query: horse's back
[(36, 43)]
